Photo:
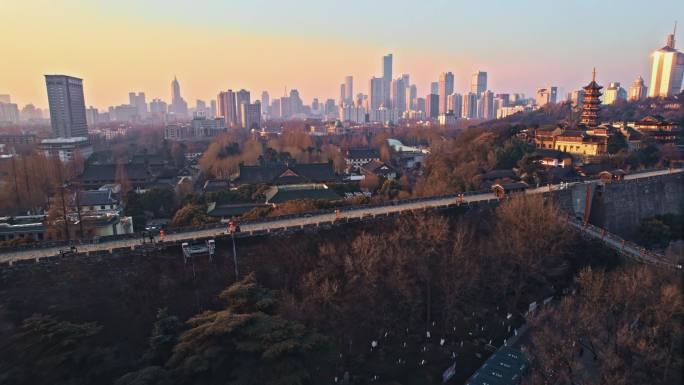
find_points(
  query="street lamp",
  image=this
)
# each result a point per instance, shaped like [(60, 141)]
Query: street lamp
[(232, 228)]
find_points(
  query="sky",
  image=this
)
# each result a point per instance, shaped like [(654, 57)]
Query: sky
[(118, 46)]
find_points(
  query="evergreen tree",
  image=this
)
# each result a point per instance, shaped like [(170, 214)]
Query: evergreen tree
[(48, 351), (245, 343)]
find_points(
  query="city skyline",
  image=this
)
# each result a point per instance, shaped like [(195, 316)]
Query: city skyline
[(111, 69)]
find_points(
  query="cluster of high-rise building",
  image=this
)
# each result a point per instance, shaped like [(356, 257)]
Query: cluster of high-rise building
[(667, 72), (10, 113), (392, 98), (139, 110), (389, 99)]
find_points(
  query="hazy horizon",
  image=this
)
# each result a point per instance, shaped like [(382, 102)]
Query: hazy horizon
[(212, 46)]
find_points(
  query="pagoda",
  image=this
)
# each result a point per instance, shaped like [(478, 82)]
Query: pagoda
[(592, 103)]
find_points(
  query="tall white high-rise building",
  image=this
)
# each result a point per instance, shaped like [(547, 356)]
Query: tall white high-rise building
[(613, 93), (637, 91), (577, 97), (67, 106), (546, 95), (478, 83), (446, 88), (349, 89), (667, 70)]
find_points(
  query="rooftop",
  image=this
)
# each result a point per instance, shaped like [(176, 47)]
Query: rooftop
[(363, 153)]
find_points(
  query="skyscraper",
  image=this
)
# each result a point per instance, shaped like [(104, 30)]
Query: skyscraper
[(470, 106), (178, 105), (667, 70), (158, 107), (455, 104), (446, 88), (577, 98), (241, 97), (343, 94), (138, 101), (432, 106), (488, 105), (546, 95), (265, 102), (387, 78), (377, 92), (67, 106), (275, 109), (478, 84), (413, 94), (434, 88), (387, 67), (637, 91), (251, 115), (227, 108), (613, 93), (399, 95), (349, 90), (296, 104)]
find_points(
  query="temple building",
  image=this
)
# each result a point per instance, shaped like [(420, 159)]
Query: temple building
[(588, 139), (592, 103)]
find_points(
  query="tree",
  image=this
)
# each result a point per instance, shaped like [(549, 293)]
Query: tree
[(616, 142), (151, 375), (247, 342), (529, 239), (164, 336), (48, 351), (629, 322), (191, 215), (529, 169), (654, 231)]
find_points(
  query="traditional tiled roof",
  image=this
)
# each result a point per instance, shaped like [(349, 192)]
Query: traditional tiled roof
[(282, 174), (102, 174), (231, 209), (214, 185), (280, 194), (363, 153), (96, 198), (378, 168), (499, 174), (549, 153)]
